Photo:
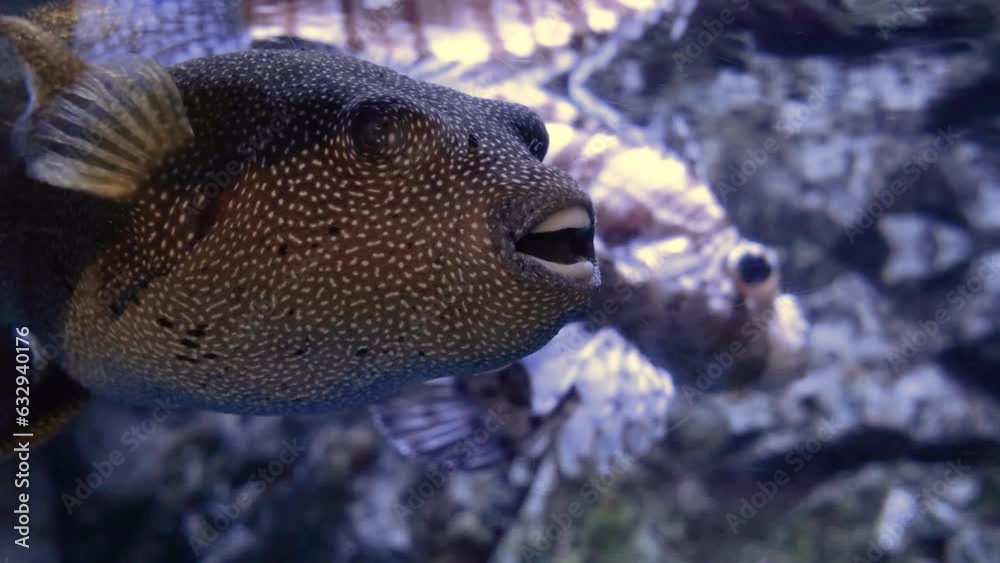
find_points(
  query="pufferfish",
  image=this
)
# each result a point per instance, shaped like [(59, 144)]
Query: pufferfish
[(277, 231)]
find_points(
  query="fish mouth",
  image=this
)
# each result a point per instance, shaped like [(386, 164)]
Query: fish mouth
[(562, 242)]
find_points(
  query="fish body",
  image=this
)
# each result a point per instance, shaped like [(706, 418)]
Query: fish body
[(329, 232)]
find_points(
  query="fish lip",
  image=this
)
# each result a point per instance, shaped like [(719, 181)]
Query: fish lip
[(527, 264), (543, 212)]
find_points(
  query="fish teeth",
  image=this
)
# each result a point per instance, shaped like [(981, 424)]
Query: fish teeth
[(571, 218), (581, 271)]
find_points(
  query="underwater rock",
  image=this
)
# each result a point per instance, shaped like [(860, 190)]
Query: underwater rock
[(885, 510), (921, 247), (621, 415), (978, 544), (807, 153)]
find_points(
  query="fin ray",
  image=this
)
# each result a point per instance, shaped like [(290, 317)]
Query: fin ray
[(74, 115), (129, 123), (95, 150), (439, 422)]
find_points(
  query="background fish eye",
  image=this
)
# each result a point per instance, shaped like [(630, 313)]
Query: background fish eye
[(754, 269)]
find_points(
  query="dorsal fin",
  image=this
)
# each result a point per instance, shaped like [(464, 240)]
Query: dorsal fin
[(100, 130), (50, 65)]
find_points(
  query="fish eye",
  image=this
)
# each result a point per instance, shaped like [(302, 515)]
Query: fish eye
[(374, 129), (754, 270)]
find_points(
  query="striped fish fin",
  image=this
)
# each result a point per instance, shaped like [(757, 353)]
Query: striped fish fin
[(471, 422), (475, 31), (494, 49), (444, 40), (441, 422)]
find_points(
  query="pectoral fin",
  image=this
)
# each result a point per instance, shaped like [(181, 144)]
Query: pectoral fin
[(441, 421), (102, 130)]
